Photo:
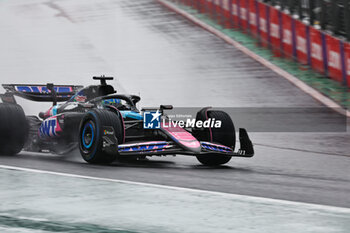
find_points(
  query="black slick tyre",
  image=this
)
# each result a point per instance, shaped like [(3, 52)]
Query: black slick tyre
[(224, 135), (91, 135), (13, 129)]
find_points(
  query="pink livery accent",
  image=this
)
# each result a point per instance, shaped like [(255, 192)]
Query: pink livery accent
[(49, 113), (182, 137), (151, 143)]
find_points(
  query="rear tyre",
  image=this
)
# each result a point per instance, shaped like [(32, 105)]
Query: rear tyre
[(224, 135), (91, 136), (34, 124), (13, 129)]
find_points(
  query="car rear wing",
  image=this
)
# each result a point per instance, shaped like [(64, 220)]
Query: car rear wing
[(40, 93)]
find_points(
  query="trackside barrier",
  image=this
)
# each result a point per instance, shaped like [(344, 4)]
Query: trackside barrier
[(288, 35), (302, 38), (275, 31), (243, 14), (203, 6), (334, 58), (347, 62), (283, 34), (226, 9), (235, 16), (253, 19), (264, 21), (211, 8), (318, 54), (219, 14)]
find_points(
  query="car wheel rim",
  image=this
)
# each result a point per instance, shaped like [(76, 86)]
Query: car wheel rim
[(88, 135)]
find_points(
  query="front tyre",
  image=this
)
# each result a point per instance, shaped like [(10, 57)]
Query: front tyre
[(91, 142), (13, 129), (224, 135)]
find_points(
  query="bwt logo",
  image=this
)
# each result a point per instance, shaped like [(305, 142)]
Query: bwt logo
[(151, 120), (48, 128), (42, 89)]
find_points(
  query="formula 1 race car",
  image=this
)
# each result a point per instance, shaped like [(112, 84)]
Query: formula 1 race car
[(107, 126)]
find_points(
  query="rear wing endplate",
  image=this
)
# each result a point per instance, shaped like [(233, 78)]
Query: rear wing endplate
[(8, 98)]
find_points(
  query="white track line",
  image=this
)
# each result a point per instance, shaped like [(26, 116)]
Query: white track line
[(271, 201), (297, 82)]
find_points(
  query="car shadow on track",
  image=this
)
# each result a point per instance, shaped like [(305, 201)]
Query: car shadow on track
[(152, 163), (156, 164)]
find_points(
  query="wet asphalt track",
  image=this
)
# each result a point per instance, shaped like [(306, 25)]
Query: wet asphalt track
[(168, 60)]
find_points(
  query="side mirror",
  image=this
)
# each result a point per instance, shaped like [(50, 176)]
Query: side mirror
[(166, 107)]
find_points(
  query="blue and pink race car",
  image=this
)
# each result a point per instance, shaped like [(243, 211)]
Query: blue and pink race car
[(107, 126)]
